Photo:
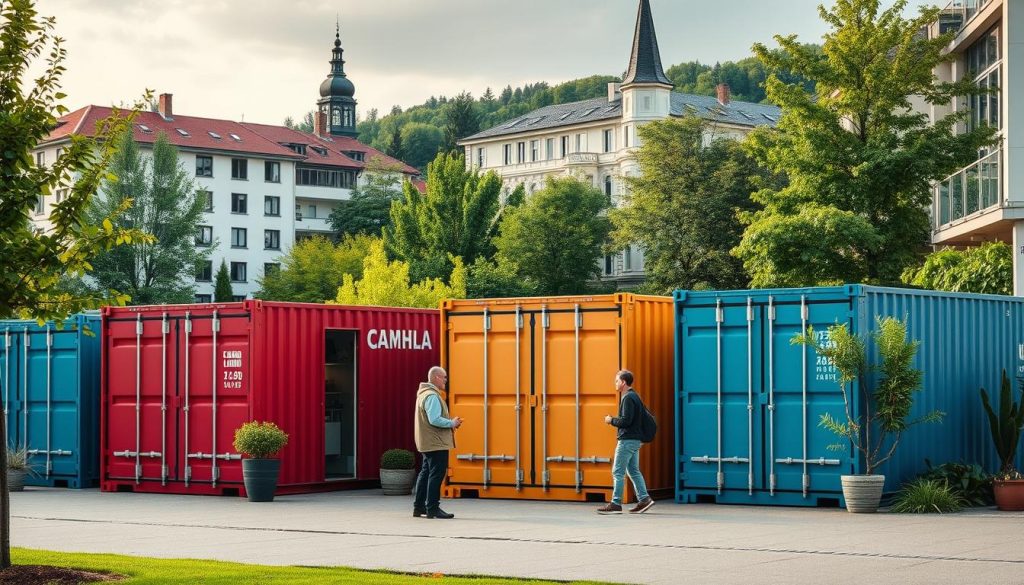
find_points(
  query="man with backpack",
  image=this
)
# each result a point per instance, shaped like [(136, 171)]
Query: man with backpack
[(631, 423)]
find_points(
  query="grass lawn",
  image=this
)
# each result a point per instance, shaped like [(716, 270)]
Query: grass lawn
[(143, 570)]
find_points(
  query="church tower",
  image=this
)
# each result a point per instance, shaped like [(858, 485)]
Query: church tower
[(336, 104)]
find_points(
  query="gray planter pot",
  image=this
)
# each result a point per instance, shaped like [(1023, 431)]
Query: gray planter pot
[(260, 477), (862, 492), (16, 480), (397, 482)]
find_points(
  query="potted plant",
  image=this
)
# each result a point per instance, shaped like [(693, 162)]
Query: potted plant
[(18, 469), (875, 431), (259, 442), (1006, 425), (397, 472)]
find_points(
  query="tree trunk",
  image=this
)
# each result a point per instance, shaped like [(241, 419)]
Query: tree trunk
[(5, 500)]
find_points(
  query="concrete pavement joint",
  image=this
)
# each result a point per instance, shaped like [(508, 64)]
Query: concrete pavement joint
[(540, 541)]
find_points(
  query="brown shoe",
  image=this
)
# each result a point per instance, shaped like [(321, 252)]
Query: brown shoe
[(610, 508), (642, 506)]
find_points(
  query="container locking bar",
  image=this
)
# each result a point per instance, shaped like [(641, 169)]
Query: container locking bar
[(215, 473), (577, 324), (546, 322), (25, 403), (750, 396), (211, 456), (804, 316), (49, 398), (819, 461), (719, 318), (487, 329), (475, 457), (185, 409), (707, 459), (138, 463), (771, 395), (519, 405), (7, 374), (164, 330), (577, 460), (138, 397)]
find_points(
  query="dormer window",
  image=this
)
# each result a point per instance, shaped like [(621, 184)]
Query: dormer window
[(183, 132), (213, 134), (145, 129), (356, 155)]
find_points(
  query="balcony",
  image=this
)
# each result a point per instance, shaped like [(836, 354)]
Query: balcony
[(312, 224), (582, 158), (958, 13), (973, 190)]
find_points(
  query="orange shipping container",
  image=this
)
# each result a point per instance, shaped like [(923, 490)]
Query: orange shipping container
[(533, 379)]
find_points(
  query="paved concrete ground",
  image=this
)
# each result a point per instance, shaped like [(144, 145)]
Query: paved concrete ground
[(671, 544)]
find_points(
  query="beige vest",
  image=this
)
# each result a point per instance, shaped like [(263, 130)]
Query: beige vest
[(429, 437)]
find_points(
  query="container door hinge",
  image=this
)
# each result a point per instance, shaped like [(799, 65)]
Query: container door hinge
[(138, 327), (520, 476), (547, 477), (216, 325)]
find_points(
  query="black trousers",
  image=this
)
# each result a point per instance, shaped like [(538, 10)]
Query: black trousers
[(428, 483)]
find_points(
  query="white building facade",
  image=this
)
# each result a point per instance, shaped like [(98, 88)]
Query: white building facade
[(265, 186), (596, 140), (985, 200)]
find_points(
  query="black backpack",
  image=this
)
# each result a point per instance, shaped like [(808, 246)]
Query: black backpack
[(648, 424)]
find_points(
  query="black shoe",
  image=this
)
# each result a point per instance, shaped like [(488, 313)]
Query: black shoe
[(439, 513), (417, 512)]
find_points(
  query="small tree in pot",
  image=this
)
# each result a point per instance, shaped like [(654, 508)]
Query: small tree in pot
[(397, 472), (18, 468), (259, 441), (876, 431), (1006, 426)]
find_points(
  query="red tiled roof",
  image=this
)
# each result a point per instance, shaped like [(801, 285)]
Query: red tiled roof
[(256, 139), (420, 185)]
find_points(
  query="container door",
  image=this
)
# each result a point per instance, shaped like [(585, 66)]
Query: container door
[(721, 400), (140, 360), (578, 353), (213, 396), (802, 388), (52, 406), (10, 377), (340, 399), (491, 376)]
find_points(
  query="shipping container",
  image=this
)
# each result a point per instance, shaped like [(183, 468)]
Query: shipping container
[(749, 401), (178, 381), (533, 379), (50, 377)]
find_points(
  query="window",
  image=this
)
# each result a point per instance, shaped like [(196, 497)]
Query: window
[(204, 166), (207, 198), (625, 137), (348, 117), (239, 203), (336, 117), (628, 257), (549, 147), (238, 298), (60, 194), (238, 272), (534, 150), (984, 64), (565, 146), (204, 299), (581, 142), (60, 153), (647, 103), (240, 169), (271, 268), (608, 188), (271, 239), (235, 137), (205, 272), (508, 154), (312, 212), (272, 172), (239, 238), (272, 206), (609, 264), (325, 178), (145, 129), (480, 157), (356, 155), (183, 132), (40, 158), (521, 152), (204, 235), (39, 205), (213, 134), (609, 143)]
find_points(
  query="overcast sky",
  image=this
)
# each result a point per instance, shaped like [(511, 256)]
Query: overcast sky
[(264, 59)]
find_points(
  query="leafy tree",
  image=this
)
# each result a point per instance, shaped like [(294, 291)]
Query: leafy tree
[(394, 148), (314, 268), (34, 262), (987, 268), (497, 279), (682, 207), (455, 217), (387, 284), (369, 127), (369, 209), (306, 125), (859, 159), (163, 203), (222, 292), (556, 236), (461, 119), (420, 143)]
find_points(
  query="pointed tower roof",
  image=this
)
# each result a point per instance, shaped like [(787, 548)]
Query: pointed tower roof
[(337, 83), (645, 62)]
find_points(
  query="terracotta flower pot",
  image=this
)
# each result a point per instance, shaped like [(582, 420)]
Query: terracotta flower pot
[(1009, 494)]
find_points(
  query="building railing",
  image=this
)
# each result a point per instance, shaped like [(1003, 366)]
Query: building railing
[(975, 188), (958, 13)]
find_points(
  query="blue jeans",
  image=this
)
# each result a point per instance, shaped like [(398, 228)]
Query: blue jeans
[(627, 461), (428, 483)]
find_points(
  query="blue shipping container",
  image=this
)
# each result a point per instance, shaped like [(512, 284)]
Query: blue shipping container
[(749, 401), (50, 382)]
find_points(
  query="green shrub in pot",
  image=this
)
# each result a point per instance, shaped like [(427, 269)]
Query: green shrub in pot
[(397, 472), (259, 441)]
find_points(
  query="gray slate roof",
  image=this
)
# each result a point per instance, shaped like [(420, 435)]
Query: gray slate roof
[(599, 109), (645, 59)]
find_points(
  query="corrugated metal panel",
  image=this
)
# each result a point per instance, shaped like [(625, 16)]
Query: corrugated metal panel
[(50, 381), (534, 379), (229, 363), (767, 447)]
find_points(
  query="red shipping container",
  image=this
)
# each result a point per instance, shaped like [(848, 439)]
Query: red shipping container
[(178, 380)]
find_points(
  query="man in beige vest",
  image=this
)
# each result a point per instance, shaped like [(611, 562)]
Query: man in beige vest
[(434, 438)]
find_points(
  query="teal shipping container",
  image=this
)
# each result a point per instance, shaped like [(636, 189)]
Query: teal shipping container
[(749, 401), (50, 382)]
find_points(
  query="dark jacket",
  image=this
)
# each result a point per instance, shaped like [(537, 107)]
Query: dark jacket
[(628, 421)]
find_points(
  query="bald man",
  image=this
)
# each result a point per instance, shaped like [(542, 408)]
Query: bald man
[(434, 438)]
